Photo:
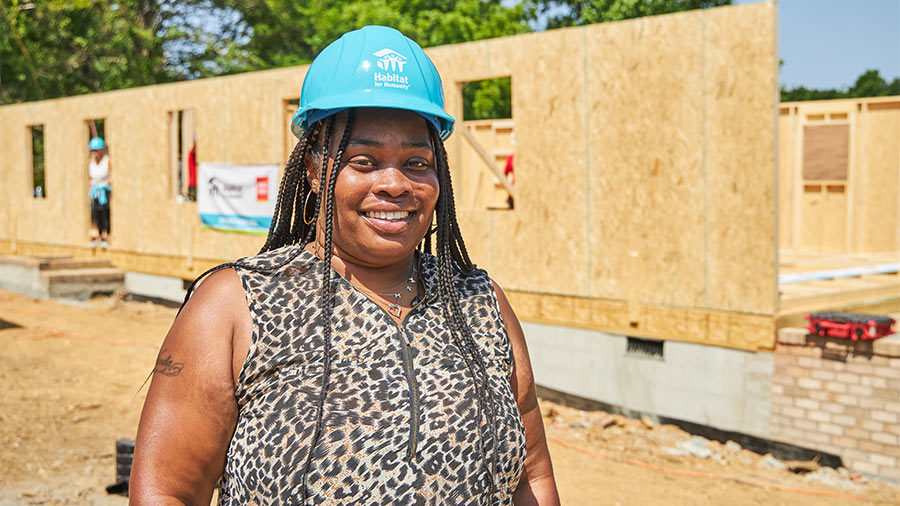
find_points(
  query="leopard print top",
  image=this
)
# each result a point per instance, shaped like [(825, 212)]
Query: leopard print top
[(401, 422)]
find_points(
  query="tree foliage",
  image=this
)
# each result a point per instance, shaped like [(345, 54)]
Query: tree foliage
[(868, 84), (562, 13), (285, 32), (487, 99), (57, 48)]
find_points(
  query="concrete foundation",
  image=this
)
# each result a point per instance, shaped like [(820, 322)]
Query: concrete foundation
[(717, 387), (163, 289), (45, 277), (21, 278)]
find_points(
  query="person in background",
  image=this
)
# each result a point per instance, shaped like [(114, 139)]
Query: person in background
[(99, 172), (509, 171), (192, 173)]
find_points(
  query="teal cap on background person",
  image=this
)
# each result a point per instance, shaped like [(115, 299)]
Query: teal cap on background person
[(375, 66), (96, 143)]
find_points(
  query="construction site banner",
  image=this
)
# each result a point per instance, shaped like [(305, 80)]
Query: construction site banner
[(237, 198)]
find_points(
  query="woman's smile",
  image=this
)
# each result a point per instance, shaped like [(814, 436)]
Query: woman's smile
[(389, 222)]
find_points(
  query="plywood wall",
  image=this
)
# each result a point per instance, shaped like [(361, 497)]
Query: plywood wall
[(237, 120), (840, 175), (645, 167), (645, 159)]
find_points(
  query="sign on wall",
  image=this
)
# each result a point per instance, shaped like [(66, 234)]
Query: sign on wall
[(237, 198)]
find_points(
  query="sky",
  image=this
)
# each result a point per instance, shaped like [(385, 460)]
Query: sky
[(829, 43)]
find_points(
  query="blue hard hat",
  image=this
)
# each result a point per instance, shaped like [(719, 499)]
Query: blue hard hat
[(97, 143), (374, 66)]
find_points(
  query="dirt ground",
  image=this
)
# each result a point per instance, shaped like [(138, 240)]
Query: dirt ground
[(70, 386)]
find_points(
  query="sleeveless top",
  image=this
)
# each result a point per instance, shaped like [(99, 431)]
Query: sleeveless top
[(99, 171), (401, 421)]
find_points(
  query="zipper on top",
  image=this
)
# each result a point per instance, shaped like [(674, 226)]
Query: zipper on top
[(413, 393), (409, 372)]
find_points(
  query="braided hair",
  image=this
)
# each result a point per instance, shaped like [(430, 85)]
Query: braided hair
[(290, 226)]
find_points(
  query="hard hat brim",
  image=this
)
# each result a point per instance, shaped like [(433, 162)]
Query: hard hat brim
[(334, 104)]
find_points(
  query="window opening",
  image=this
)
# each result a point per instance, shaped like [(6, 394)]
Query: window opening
[(39, 183), (183, 153), (97, 128), (99, 175), (488, 128), (644, 348), (487, 99)]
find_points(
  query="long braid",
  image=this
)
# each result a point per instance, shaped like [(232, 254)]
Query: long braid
[(281, 228), (327, 293), (453, 256), (425, 245), (287, 225), (461, 255)]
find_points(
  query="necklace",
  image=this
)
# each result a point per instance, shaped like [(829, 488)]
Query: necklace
[(392, 308), (395, 309)]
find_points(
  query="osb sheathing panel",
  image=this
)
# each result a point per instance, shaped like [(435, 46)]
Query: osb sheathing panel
[(879, 212), (644, 164), (833, 226), (824, 224), (740, 86), (551, 187), (630, 131), (645, 151), (786, 177)]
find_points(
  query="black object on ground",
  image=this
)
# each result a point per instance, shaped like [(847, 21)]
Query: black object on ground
[(8, 325), (124, 456)]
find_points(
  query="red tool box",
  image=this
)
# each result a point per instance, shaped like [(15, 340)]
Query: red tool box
[(853, 326)]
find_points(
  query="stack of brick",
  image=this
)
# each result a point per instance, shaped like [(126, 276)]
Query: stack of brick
[(840, 397)]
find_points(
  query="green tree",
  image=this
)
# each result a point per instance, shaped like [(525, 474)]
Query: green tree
[(488, 99), (868, 84), (283, 32), (57, 48), (562, 13)]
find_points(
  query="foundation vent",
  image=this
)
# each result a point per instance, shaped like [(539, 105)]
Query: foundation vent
[(644, 348)]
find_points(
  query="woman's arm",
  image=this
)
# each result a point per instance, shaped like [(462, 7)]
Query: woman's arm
[(190, 412), (537, 485)]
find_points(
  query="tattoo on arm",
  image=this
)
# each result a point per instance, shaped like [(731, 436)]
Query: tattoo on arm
[(166, 366)]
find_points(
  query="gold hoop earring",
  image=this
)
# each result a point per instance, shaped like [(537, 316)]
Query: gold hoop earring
[(305, 205)]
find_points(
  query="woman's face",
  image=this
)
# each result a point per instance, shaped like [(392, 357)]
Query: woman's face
[(386, 189)]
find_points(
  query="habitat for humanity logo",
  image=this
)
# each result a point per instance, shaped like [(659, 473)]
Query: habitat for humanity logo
[(391, 62), (219, 188)]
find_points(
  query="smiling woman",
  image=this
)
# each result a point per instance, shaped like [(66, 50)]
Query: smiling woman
[(345, 363)]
